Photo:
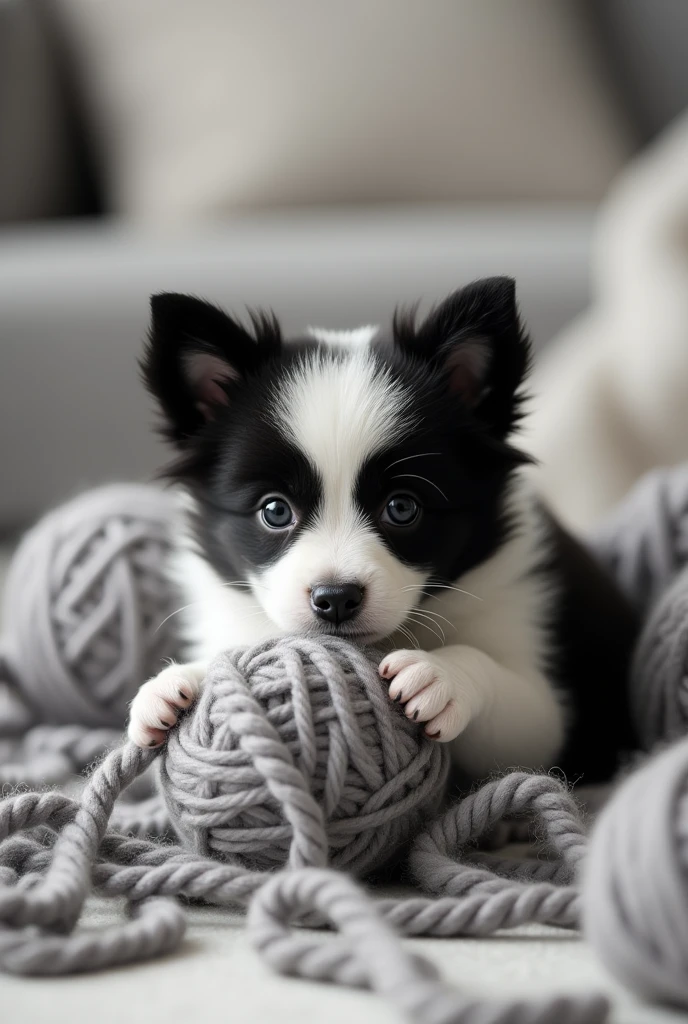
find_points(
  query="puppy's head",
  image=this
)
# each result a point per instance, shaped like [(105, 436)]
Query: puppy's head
[(340, 476)]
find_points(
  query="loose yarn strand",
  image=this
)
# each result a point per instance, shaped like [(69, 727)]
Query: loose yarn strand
[(256, 707)]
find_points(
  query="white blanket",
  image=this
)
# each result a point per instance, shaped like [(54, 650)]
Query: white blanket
[(611, 393)]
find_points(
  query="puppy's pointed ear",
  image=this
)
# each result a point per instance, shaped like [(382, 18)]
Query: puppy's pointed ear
[(476, 339), (194, 357)]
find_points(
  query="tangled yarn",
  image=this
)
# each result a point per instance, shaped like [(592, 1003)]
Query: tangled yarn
[(282, 763), (84, 610), (295, 762)]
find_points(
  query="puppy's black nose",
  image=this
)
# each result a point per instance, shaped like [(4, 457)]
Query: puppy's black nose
[(336, 602)]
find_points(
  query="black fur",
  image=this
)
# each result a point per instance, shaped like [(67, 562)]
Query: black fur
[(486, 311), (183, 324), (594, 629)]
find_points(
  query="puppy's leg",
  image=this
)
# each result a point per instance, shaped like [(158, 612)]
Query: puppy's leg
[(156, 706), (494, 716)]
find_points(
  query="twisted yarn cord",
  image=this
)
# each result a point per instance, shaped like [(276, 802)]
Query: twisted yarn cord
[(374, 957), (85, 852), (306, 767), (66, 885), (148, 869), (56, 900), (492, 902)]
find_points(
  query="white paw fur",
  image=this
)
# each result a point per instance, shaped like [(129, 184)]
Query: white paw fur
[(428, 692), (156, 707)]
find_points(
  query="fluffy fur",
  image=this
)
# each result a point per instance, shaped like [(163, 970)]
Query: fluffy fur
[(386, 462)]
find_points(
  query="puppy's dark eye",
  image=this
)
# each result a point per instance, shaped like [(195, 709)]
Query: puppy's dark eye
[(277, 514), (401, 510)]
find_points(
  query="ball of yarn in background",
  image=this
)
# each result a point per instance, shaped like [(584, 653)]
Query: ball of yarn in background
[(295, 755), (644, 542), (84, 603), (659, 673), (635, 889)]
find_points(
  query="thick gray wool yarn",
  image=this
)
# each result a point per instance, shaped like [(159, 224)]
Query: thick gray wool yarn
[(293, 757), (635, 892), (83, 616), (644, 543), (303, 778), (636, 889), (309, 777), (659, 672)]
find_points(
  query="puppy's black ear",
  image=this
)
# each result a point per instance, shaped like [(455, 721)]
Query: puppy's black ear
[(475, 337), (195, 354)]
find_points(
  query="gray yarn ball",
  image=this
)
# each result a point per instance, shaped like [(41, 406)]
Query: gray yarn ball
[(644, 541), (644, 544), (659, 673), (84, 602), (295, 755), (635, 891)]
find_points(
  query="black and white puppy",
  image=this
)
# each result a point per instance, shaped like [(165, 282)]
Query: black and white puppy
[(366, 484)]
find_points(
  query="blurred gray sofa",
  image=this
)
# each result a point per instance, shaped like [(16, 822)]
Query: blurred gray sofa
[(74, 304), (75, 282)]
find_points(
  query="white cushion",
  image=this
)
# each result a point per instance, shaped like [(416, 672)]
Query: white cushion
[(217, 104)]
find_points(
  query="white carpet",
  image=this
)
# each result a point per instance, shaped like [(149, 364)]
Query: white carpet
[(217, 976)]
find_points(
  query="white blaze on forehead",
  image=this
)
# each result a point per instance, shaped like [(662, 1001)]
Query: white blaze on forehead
[(355, 336), (340, 409)]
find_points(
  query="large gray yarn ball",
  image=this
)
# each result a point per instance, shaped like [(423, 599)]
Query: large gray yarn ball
[(295, 755), (85, 606), (644, 540), (659, 672), (644, 544), (635, 891)]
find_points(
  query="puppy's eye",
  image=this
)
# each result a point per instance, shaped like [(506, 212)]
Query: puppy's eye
[(277, 514), (401, 510)]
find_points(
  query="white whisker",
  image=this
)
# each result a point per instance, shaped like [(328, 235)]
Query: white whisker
[(175, 612), (244, 613), (419, 622), (436, 615), (422, 455), (416, 476), (408, 635), (444, 586)]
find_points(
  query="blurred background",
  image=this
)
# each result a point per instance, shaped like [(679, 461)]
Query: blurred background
[(331, 160)]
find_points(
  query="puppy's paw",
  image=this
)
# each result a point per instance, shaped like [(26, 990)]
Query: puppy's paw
[(428, 693), (156, 706)]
